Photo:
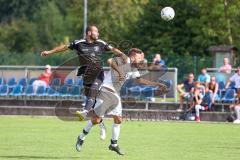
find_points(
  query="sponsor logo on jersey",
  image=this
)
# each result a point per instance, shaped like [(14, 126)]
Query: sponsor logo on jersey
[(96, 48)]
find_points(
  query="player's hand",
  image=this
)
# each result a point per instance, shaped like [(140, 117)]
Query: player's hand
[(121, 77), (45, 53), (162, 87)]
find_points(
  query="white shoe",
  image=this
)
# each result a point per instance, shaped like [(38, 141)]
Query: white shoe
[(237, 121), (102, 131), (82, 114)]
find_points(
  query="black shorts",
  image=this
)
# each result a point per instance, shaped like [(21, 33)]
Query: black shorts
[(92, 76)]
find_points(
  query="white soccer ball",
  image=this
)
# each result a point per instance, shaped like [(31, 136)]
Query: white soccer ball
[(167, 13)]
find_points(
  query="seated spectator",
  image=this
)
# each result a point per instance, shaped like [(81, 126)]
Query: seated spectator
[(204, 78), (198, 95), (43, 79), (185, 90), (236, 108), (158, 62), (198, 85), (211, 92), (197, 100), (226, 67), (235, 79)]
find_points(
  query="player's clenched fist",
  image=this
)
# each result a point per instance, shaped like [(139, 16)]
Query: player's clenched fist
[(45, 53), (161, 90)]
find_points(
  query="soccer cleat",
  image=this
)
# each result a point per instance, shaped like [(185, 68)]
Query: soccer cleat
[(82, 114), (116, 149), (102, 131), (79, 144)]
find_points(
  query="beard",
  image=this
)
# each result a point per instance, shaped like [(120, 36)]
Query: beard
[(94, 37)]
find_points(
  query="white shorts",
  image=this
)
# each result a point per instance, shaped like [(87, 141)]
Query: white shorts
[(108, 102), (38, 83)]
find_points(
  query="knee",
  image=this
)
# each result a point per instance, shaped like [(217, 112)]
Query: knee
[(96, 120), (117, 119)]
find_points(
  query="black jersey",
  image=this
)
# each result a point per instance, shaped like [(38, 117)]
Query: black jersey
[(90, 53), (90, 58)]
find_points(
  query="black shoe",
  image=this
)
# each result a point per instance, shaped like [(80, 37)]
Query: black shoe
[(79, 144), (116, 149)]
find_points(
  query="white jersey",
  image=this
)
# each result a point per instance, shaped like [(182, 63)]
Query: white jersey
[(111, 79)]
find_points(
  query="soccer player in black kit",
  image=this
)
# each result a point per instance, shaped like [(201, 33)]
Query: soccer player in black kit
[(89, 51)]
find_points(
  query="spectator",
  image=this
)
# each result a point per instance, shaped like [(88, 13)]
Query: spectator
[(198, 87), (198, 95), (197, 100), (236, 80), (204, 77), (157, 62), (43, 79), (236, 108), (198, 92), (185, 89), (211, 92), (226, 67)]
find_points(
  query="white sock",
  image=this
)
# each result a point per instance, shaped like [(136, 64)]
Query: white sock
[(197, 108), (115, 132), (237, 110), (86, 130), (101, 125)]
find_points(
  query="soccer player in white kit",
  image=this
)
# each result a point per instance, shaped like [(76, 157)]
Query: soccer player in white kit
[(108, 99)]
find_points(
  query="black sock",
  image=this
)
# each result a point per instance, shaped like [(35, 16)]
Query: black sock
[(114, 143)]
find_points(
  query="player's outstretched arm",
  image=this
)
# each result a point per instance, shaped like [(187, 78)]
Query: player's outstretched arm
[(148, 83), (162, 87), (120, 54), (57, 49)]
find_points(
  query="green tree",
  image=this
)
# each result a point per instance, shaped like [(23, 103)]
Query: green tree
[(15, 9), (18, 35), (50, 26)]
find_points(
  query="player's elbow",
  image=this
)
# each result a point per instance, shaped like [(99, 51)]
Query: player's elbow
[(139, 80), (109, 61)]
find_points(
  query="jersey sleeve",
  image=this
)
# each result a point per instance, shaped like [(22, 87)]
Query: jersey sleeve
[(108, 47), (73, 45), (105, 45)]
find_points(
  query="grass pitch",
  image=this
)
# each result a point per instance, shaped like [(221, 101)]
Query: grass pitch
[(50, 138)]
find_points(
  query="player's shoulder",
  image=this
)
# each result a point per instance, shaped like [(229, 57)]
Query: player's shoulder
[(101, 41), (79, 41)]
